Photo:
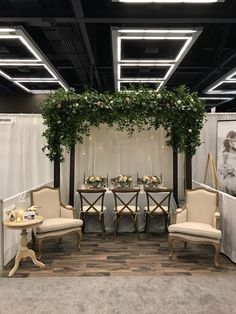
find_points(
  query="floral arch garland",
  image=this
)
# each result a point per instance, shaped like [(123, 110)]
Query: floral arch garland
[(68, 116)]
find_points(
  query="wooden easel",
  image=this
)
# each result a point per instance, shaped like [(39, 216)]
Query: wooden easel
[(211, 163)]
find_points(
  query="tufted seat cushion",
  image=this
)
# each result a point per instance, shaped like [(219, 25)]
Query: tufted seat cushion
[(56, 224), (195, 228)]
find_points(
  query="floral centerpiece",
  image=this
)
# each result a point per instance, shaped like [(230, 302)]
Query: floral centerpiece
[(150, 181), (122, 180), (94, 181)]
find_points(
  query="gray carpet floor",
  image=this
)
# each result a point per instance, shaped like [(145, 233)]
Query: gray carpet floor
[(119, 295)]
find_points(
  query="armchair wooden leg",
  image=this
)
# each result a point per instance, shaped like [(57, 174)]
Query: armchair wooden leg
[(79, 234), (217, 252), (170, 241)]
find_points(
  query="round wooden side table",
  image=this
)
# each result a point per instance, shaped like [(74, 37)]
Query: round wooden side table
[(24, 251)]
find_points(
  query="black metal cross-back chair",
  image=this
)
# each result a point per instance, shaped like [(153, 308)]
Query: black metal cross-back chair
[(158, 204), (92, 203), (126, 204)]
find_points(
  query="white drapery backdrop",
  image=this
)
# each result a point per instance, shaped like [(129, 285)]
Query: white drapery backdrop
[(23, 164), (108, 151)]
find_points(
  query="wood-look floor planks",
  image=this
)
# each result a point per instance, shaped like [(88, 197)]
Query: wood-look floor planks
[(123, 256)]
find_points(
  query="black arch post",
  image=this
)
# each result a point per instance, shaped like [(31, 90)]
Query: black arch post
[(72, 175), (175, 176), (57, 173), (188, 171)]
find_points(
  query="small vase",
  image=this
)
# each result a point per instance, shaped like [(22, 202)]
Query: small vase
[(95, 184), (123, 184)]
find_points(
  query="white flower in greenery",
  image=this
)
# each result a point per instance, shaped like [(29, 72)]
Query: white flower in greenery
[(179, 102), (77, 105), (190, 130), (59, 106), (158, 95), (59, 121)]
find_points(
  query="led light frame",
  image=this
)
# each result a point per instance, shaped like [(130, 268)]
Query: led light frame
[(170, 66), (140, 81), (39, 60), (186, 39), (169, 1), (188, 36), (227, 78), (53, 77), (221, 100), (36, 91), (214, 90)]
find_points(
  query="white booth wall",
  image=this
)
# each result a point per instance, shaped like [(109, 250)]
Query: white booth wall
[(209, 145), (23, 164)]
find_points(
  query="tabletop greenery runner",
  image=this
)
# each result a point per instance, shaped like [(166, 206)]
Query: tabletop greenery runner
[(69, 116)]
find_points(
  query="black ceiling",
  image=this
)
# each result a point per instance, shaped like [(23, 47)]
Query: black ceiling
[(76, 37)]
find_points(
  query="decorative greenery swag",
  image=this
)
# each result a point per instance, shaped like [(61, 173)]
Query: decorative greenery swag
[(69, 116)]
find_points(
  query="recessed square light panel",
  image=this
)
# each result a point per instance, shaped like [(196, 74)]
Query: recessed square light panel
[(21, 60), (149, 54), (169, 1)]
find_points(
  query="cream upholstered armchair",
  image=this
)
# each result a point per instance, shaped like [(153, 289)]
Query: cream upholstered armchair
[(197, 221), (59, 220)]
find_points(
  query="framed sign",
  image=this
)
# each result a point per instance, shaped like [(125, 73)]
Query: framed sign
[(226, 155)]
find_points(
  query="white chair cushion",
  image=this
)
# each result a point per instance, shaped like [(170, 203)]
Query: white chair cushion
[(126, 210), (92, 210), (157, 210), (195, 228), (55, 224)]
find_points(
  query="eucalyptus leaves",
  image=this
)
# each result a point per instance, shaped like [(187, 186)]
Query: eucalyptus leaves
[(69, 116)]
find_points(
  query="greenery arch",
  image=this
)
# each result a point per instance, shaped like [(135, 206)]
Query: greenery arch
[(69, 116)]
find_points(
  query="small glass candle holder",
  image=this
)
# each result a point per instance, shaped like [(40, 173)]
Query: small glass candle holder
[(20, 215)]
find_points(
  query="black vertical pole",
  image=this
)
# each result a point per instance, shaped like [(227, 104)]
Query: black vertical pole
[(72, 176), (188, 171), (57, 173), (175, 176)]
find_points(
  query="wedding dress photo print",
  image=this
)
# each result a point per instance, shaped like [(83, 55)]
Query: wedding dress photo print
[(226, 156)]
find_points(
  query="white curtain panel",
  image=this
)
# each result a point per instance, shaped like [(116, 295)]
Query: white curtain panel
[(23, 163), (108, 151)]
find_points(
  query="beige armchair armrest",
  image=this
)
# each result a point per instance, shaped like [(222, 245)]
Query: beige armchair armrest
[(216, 220), (67, 211), (180, 215)]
